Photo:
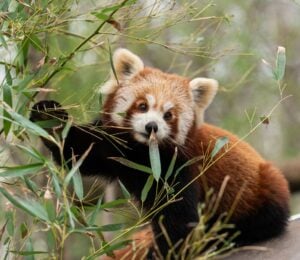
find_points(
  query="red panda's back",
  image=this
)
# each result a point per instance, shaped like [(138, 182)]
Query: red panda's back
[(252, 180)]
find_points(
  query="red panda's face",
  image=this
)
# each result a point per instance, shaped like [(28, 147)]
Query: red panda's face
[(145, 100)]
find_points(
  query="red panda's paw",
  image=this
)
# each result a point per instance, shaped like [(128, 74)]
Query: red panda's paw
[(47, 110)]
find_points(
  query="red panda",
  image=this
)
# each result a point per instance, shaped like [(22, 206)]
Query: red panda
[(139, 100)]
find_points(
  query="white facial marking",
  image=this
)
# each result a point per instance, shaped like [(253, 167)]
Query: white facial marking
[(151, 100), (185, 121), (167, 106), (123, 103), (140, 120)]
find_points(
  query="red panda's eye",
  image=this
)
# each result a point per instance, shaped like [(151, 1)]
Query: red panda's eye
[(143, 107), (168, 116)]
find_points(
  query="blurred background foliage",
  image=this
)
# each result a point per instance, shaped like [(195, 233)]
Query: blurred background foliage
[(60, 50)]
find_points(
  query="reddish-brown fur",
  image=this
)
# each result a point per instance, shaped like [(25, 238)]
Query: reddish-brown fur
[(251, 177), (255, 195)]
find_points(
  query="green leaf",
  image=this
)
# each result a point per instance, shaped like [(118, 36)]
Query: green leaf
[(31, 207), (8, 77), (10, 226), (106, 12), (50, 208), (132, 165), (31, 185), (51, 240), (113, 204), (70, 215), (172, 164), (75, 168), (23, 48), (154, 157), (32, 152), (125, 192), (2, 40), (188, 163), (66, 129), (112, 65), (56, 186), (101, 16), (7, 98), (280, 63), (36, 42), (221, 141), (23, 230), (48, 124), (19, 171), (104, 228), (28, 253), (95, 212), (147, 188), (78, 186), (27, 124)]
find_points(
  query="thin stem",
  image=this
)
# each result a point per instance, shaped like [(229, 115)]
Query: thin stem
[(71, 55)]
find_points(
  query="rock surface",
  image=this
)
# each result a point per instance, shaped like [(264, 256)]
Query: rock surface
[(285, 247)]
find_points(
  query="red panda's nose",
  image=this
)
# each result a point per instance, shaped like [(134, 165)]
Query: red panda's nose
[(151, 126)]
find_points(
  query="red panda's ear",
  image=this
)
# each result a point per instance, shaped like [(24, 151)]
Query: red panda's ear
[(125, 65), (203, 92)]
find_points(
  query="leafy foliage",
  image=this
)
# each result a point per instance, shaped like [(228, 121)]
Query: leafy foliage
[(63, 48)]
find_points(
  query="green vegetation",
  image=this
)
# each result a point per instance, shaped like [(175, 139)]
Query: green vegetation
[(61, 50)]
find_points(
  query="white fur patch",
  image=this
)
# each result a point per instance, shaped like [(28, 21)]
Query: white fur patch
[(151, 100), (140, 120), (124, 100), (167, 106), (185, 121)]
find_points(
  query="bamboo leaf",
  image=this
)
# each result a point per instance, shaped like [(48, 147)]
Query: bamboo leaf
[(66, 129), (28, 253), (32, 152), (20, 171), (31, 185), (70, 214), (105, 12), (56, 185), (154, 156), (78, 186), (125, 192), (96, 210), (2, 40), (36, 42), (113, 204), (220, 143), (104, 228), (132, 165), (31, 207), (147, 188), (7, 98), (27, 124), (50, 208), (10, 226), (188, 163), (172, 164), (8, 77), (76, 166), (112, 64), (280, 64)]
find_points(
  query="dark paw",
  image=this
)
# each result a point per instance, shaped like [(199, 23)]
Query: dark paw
[(48, 110)]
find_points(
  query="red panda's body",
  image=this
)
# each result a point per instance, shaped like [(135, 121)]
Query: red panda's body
[(145, 100)]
